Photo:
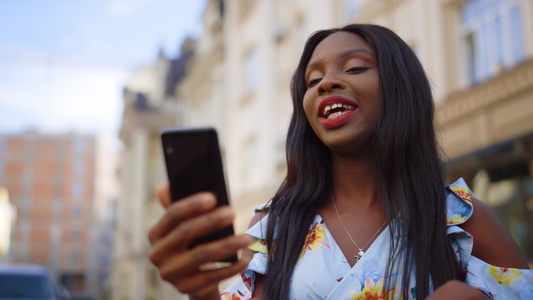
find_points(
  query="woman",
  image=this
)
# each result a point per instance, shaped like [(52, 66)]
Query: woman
[(362, 159)]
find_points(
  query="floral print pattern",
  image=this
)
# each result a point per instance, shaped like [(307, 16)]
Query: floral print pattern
[(505, 275), (326, 274), (462, 191), (315, 238), (259, 245), (459, 207), (372, 290)]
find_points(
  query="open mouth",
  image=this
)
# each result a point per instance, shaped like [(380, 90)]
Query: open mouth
[(334, 110)]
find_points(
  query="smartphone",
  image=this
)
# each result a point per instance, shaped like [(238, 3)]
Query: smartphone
[(194, 164)]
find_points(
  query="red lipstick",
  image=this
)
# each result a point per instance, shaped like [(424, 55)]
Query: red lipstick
[(336, 105)]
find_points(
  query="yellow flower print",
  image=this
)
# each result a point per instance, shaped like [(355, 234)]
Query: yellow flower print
[(373, 291), (462, 191), (505, 275), (259, 245), (456, 219), (315, 237)]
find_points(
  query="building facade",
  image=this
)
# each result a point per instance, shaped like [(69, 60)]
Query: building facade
[(486, 114), (51, 182), (478, 57), (149, 107)]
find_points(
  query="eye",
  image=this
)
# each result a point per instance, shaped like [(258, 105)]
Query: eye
[(313, 82), (357, 70)]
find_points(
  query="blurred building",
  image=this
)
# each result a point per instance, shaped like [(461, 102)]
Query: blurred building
[(51, 180), (486, 108), (149, 107)]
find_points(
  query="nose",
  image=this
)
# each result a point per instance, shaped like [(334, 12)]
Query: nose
[(329, 83)]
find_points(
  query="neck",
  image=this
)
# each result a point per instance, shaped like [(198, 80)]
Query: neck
[(354, 183)]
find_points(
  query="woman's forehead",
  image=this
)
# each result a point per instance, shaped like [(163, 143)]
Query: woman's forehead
[(340, 44)]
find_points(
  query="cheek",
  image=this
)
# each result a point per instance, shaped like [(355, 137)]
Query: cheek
[(371, 88), (307, 106)]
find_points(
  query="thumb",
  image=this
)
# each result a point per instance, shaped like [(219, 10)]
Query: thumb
[(162, 191)]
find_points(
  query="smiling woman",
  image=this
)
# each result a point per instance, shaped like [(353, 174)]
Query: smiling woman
[(342, 76), (363, 212)]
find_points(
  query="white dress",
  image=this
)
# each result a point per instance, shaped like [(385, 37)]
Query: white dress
[(322, 271)]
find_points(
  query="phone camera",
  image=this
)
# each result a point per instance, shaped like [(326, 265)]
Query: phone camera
[(170, 150)]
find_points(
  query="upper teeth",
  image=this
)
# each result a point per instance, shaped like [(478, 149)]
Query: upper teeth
[(337, 105)]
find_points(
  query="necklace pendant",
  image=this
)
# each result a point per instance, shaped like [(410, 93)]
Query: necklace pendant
[(359, 255)]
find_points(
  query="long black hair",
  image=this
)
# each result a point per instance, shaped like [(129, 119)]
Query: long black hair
[(410, 179)]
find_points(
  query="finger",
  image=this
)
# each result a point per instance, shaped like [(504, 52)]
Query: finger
[(208, 278), (180, 211), (188, 263), (190, 230), (162, 191)]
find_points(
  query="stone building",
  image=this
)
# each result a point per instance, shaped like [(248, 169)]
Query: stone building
[(149, 107)]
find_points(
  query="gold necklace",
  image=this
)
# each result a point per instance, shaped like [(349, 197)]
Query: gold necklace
[(361, 252)]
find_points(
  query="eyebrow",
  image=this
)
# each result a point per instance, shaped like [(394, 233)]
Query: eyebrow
[(341, 55)]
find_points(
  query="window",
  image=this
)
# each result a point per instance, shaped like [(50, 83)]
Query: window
[(77, 210), (252, 71), (141, 102), (491, 38), (75, 234), (508, 190), (76, 189), (79, 145), (78, 167), (351, 10), (75, 256)]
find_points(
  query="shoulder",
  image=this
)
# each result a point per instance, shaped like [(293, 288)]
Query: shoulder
[(261, 211), (257, 217), (492, 242)]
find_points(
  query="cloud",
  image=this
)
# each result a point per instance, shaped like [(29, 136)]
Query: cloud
[(127, 8), (61, 97)]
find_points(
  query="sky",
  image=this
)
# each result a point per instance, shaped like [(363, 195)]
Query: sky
[(64, 64)]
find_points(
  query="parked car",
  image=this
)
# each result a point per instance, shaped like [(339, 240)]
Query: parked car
[(25, 282)]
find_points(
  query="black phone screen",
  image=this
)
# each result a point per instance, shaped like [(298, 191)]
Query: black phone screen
[(194, 164)]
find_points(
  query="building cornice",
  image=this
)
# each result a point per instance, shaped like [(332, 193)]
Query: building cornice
[(150, 121), (500, 88)]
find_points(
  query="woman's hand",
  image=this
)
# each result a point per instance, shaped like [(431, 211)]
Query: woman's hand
[(455, 289), (191, 271)]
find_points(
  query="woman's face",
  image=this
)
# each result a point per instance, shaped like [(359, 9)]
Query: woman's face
[(342, 98)]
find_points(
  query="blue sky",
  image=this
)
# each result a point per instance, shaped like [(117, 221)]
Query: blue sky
[(63, 64)]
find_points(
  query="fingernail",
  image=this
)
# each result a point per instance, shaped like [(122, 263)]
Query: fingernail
[(207, 201), (226, 212)]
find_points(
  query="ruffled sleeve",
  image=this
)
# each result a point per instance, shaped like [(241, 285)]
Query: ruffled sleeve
[(243, 287), (496, 282)]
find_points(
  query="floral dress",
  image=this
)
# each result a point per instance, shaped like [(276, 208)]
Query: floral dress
[(322, 271)]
